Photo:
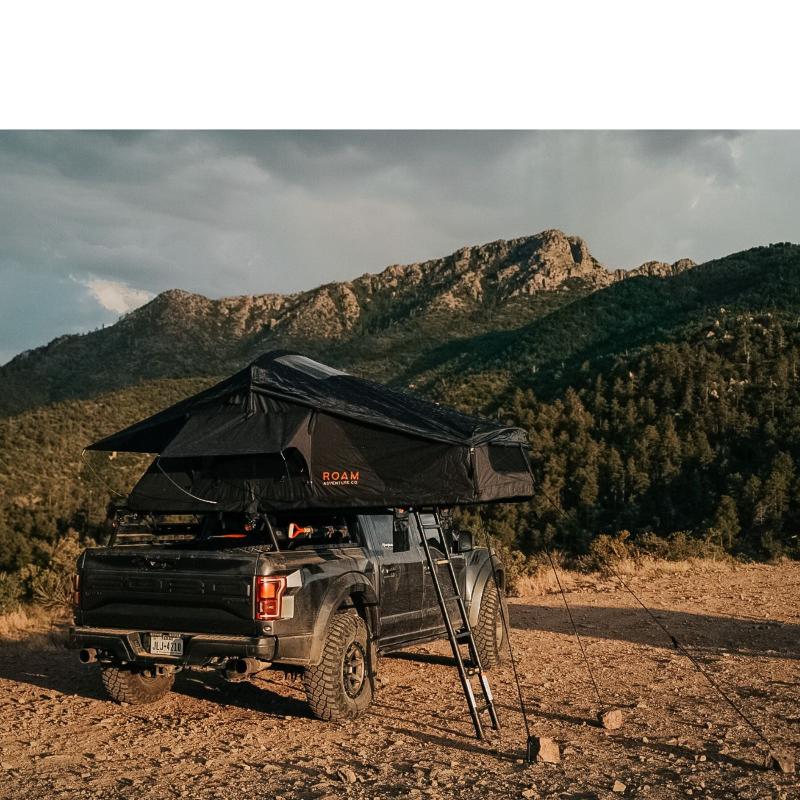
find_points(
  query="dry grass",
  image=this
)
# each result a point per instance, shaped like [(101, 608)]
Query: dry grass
[(651, 567), (542, 581), (33, 627), (23, 620)]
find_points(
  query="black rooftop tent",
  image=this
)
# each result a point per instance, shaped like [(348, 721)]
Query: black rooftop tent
[(287, 432)]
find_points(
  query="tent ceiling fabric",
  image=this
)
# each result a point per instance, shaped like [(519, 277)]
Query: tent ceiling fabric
[(351, 442)]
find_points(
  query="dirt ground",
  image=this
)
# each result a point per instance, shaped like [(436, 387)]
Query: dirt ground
[(60, 738)]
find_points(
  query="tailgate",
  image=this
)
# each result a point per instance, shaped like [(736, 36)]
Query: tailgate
[(161, 589)]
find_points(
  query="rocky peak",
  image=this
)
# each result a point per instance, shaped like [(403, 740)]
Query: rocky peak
[(555, 258), (656, 269)]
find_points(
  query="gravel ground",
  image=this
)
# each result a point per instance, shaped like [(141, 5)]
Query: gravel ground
[(210, 739)]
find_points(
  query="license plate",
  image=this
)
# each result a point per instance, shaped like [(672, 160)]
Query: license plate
[(166, 644)]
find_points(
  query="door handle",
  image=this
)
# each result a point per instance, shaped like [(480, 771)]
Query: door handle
[(389, 572)]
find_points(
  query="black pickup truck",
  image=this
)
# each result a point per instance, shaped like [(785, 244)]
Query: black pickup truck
[(318, 593)]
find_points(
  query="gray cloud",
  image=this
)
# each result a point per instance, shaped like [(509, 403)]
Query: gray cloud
[(92, 222)]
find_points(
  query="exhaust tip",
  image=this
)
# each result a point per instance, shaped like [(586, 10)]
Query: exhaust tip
[(88, 655), (238, 669)]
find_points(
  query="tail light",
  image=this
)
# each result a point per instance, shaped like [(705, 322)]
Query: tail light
[(269, 594), (76, 590)]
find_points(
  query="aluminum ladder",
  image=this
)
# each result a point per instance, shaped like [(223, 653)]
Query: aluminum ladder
[(463, 635)]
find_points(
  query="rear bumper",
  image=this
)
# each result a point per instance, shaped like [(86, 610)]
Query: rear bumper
[(198, 648)]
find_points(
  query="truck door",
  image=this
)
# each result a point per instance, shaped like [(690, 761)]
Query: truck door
[(400, 570), (431, 612)]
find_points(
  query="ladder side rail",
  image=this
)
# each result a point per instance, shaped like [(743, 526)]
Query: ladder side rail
[(451, 633), (474, 655), (467, 628)]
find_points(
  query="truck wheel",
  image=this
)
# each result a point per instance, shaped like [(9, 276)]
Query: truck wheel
[(339, 687), (488, 631), (135, 685)]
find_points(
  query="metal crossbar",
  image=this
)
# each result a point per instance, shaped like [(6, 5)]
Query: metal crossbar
[(463, 635)]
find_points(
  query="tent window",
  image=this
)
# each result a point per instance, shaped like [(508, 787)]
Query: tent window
[(507, 459), (265, 466)]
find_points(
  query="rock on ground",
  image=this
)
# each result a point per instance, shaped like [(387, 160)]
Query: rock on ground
[(545, 750)]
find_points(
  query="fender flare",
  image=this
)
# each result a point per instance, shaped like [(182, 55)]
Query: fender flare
[(337, 594), (482, 579)]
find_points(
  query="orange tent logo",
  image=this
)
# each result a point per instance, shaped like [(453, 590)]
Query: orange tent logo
[(343, 477)]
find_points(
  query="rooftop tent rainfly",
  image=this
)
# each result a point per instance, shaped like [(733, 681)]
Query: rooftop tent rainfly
[(288, 432)]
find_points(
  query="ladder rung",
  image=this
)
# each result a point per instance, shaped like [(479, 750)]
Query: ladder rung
[(441, 562)]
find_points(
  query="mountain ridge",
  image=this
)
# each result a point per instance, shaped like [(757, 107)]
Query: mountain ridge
[(549, 266), (182, 334)]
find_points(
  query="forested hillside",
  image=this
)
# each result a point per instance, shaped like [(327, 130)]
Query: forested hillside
[(699, 438), (658, 406), (47, 486)]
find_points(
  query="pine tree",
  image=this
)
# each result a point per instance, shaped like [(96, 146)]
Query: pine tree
[(725, 528)]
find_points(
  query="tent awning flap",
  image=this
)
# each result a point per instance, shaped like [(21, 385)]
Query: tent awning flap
[(230, 429)]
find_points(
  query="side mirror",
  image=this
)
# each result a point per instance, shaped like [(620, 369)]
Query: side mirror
[(462, 542)]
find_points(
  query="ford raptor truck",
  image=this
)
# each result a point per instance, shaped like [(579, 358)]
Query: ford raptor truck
[(319, 594)]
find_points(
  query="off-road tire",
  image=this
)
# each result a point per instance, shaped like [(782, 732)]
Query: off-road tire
[(488, 632), (331, 695), (129, 685)]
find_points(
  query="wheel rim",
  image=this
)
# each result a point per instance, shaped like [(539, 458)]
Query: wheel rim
[(354, 670)]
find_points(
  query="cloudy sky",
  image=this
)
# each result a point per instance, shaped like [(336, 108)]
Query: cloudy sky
[(93, 224)]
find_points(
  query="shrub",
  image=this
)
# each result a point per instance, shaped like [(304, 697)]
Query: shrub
[(680, 546), (52, 589), (51, 585), (606, 551), (12, 591), (518, 566)]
